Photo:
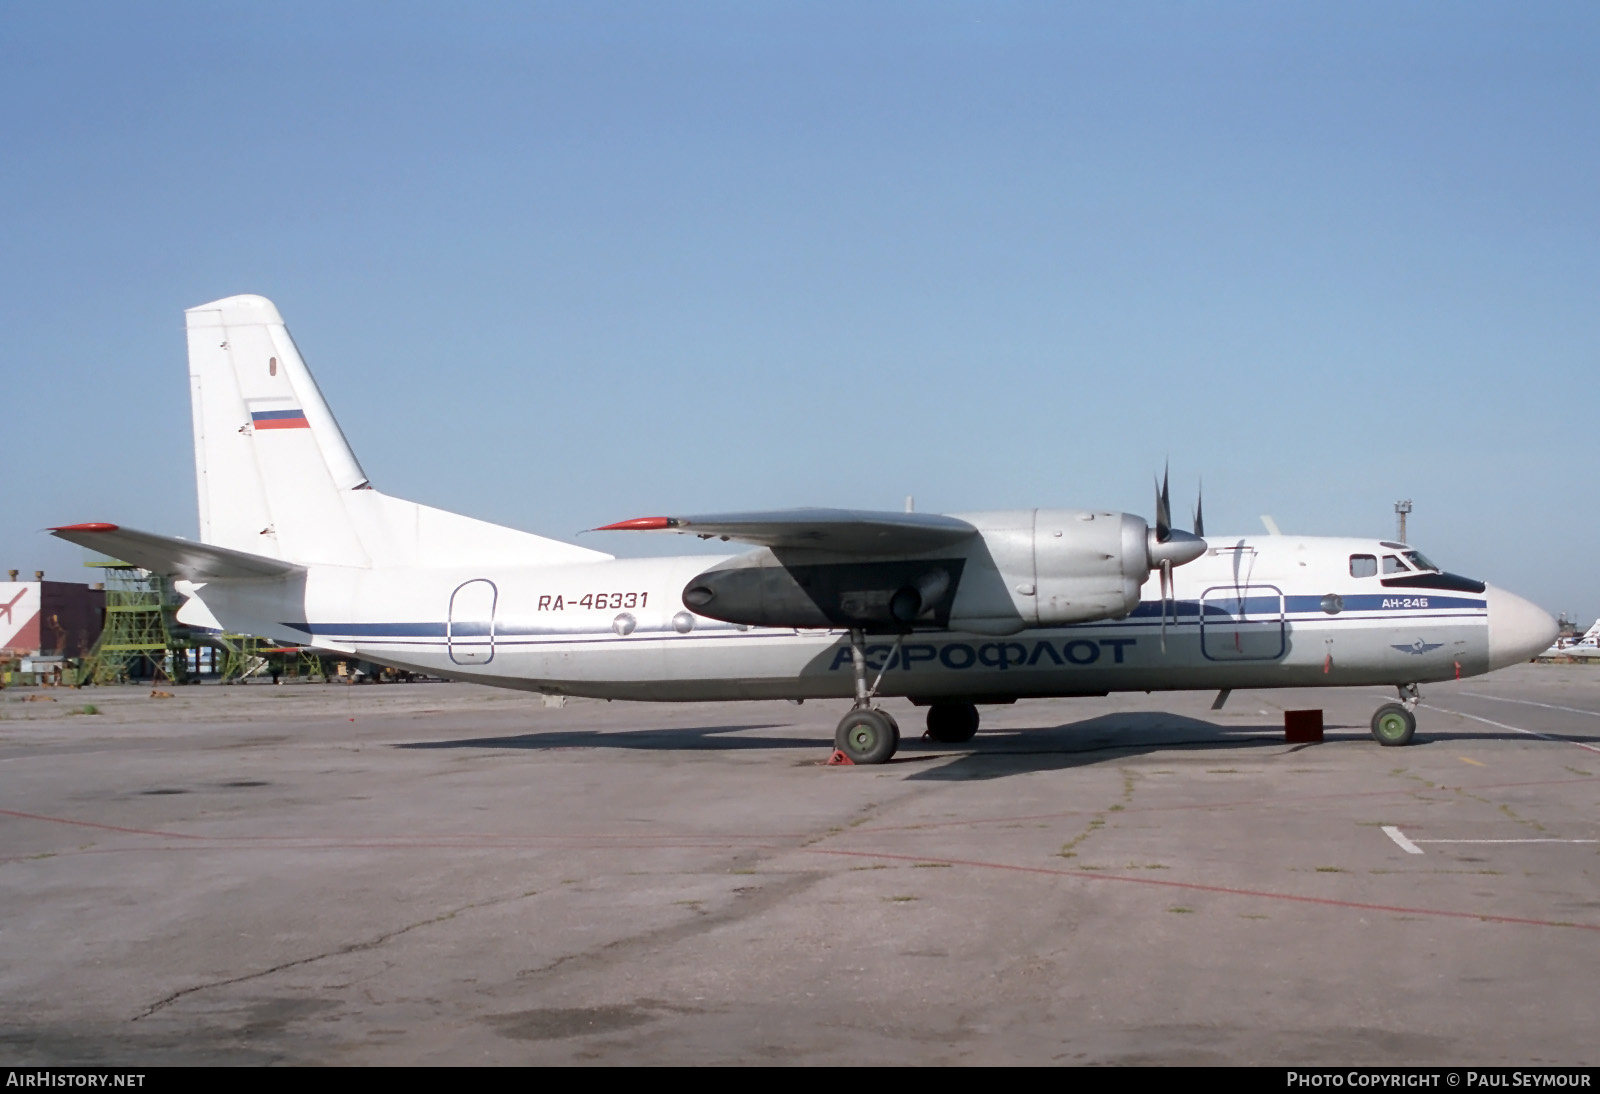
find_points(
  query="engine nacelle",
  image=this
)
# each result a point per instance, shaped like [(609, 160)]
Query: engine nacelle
[(1087, 564), (1025, 568), (1047, 567)]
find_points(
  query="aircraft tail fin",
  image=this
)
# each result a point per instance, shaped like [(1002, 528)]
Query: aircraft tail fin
[(277, 478)]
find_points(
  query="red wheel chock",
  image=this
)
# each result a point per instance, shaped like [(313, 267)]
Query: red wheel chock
[(839, 759), (1302, 726)]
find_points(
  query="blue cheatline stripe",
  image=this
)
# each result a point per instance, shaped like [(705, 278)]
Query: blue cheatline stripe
[(1260, 607), (374, 630), (1365, 602), (507, 632)]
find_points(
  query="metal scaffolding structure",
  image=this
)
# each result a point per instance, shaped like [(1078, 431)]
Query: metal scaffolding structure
[(142, 640), (242, 657), (245, 656), (138, 640)]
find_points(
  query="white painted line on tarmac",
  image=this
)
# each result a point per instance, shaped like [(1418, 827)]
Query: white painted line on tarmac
[(1531, 703), (1513, 729), (1504, 840), (1409, 846), (1400, 840)]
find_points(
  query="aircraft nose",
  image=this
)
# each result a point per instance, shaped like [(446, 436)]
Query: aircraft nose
[(1517, 628)]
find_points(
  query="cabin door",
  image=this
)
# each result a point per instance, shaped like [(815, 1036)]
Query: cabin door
[(1242, 623), (469, 631)]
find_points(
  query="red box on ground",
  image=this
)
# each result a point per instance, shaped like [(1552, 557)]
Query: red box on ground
[(1302, 726)]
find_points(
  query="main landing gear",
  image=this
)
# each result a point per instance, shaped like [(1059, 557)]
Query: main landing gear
[(952, 723), (870, 735), (1395, 724), (867, 735)]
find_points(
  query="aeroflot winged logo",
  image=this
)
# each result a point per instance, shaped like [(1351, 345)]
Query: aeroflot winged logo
[(1419, 647)]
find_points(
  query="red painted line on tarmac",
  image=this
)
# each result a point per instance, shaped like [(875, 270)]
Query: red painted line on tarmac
[(467, 841), (638, 841), (1195, 886), (102, 827), (420, 845), (635, 840)]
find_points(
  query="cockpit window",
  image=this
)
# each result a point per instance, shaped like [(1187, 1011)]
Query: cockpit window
[(1363, 565), (1417, 559), (1392, 565)]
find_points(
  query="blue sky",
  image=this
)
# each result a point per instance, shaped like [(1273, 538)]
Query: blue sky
[(557, 265)]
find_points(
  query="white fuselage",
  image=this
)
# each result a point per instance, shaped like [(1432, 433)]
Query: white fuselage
[(1271, 611)]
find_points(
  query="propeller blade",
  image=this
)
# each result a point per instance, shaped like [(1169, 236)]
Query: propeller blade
[(1166, 597), (1163, 511), (1199, 515)]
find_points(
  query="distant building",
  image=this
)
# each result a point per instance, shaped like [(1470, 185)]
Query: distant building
[(49, 619)]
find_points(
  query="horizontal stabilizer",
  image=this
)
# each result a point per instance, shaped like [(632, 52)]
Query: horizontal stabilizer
[(851, 531), (171, 556)]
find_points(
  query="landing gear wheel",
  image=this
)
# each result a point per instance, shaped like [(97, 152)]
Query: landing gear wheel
[(867, 736), (1393, 725), (952, 723)]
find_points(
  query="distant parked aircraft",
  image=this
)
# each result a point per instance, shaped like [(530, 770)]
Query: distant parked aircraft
[(1583, 648)]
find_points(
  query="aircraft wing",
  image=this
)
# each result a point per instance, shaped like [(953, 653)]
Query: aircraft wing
[(172, 556), (851, 531)]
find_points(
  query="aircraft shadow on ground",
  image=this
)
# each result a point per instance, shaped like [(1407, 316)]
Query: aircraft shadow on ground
[(667, 739), (1067, 745), (995, 753), (998, 753), (1109, 737)]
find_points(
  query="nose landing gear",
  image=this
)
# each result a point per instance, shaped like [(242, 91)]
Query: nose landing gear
[(1394, 724)]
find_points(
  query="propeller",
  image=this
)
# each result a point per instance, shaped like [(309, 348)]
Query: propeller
[(1166, 600), (1169, 547), (1163, 509)]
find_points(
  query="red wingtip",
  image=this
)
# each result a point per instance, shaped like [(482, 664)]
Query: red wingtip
[(92, 527), (638, 524)]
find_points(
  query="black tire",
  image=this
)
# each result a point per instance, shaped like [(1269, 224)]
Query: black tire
[(952, 723), (1393, 725), (867, 736)]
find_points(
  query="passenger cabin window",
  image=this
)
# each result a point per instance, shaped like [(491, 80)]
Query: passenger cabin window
[(1392, 565), (1363, 565)]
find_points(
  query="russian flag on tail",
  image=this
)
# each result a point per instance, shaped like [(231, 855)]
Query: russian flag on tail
[(279, 419)]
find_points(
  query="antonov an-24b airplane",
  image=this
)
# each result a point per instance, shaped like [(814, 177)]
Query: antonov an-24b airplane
[(948, 611)]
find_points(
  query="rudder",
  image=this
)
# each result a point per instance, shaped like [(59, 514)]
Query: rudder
[(270, 460)]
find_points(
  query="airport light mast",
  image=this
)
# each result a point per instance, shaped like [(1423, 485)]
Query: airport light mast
[(1401, 508)]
